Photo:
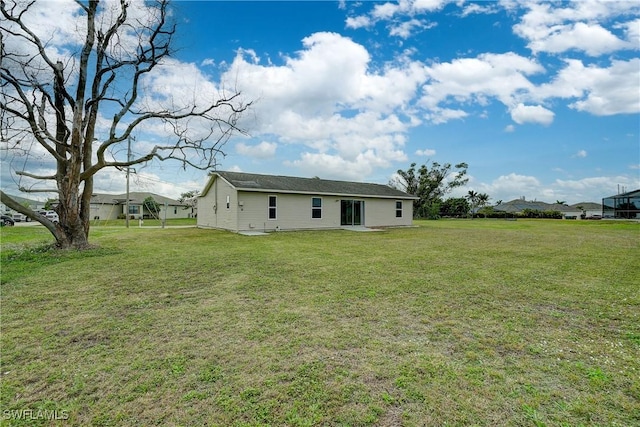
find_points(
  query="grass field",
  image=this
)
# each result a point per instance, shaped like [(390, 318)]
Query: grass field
[(451, 323)]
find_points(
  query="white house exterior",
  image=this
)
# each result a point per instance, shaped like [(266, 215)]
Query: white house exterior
[(239, 202), (113, 206), (575, 211), (35, 205)]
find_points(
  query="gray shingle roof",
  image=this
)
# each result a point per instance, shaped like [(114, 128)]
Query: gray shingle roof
[(520, 205), (288, 184), (134, 197)]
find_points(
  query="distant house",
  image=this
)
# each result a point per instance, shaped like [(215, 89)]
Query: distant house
[(35, 205), (239, 201), (113, 206), (575, 211), (625, 205), (582, 210)]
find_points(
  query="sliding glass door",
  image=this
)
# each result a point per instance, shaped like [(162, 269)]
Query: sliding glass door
[(351, 212)]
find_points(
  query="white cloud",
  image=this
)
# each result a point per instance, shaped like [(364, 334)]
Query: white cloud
[(328, 99), (476, 8), (593, 39), (328, 165), (632, 30), (428, 152), (390, 10), (601, 91), (443, 115), (594, 188), (401, 15), (612, 90), (113, 181), (477, 80), (563, 26), (358, 22), (263, 150), (510, 128), (581, 154), (407, 28), (514, 186), (532, 114)]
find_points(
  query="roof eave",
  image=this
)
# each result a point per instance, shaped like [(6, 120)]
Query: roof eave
[(321, 193)]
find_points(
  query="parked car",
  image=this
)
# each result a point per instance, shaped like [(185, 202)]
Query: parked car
[(51, 215), (7, 220), (18, 217)]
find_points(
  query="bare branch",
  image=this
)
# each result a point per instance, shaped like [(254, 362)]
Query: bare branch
[(34, 176), (58, 102)]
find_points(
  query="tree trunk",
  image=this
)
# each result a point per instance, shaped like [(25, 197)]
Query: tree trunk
[(72, 230)]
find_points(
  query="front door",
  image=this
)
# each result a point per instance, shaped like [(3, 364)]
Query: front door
[(351, 212)]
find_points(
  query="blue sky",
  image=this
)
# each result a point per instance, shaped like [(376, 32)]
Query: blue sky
[(541, 99)]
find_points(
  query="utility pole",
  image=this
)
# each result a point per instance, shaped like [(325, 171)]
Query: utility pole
[(128, 172)]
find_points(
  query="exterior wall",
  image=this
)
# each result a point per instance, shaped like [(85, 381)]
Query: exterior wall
[(577, 213), (382, 213), (294, 212), (175, 212), (249, 210), (105, 211), (212, 207), (111, 211)]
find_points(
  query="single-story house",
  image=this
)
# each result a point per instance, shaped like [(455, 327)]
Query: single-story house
[(113, 206), (582, 210), (574, 211), (239, 202), (35, 205)]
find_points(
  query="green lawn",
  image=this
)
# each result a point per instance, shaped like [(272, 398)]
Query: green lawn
[(451, 323)]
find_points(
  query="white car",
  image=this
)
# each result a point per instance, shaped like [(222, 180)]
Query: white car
[(18, 217), (53, 216)]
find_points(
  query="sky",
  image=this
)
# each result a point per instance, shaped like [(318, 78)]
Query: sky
[(540, 99)]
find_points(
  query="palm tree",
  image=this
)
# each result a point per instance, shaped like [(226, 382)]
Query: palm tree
[(483, 200), (472, 196)]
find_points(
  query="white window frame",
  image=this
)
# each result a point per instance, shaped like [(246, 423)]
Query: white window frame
[(399, 209), (313, 208), (269, 207)]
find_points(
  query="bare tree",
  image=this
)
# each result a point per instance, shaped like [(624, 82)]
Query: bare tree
[(57, 101)]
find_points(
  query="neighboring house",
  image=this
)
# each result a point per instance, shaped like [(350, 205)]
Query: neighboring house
[(112, 206), (577, 210), (568, 211), (239, 201), (35, 205), (625, 205)]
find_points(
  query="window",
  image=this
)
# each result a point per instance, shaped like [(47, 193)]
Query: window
[(316, 207), (134, 209), (398, 209), (272, 207)]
